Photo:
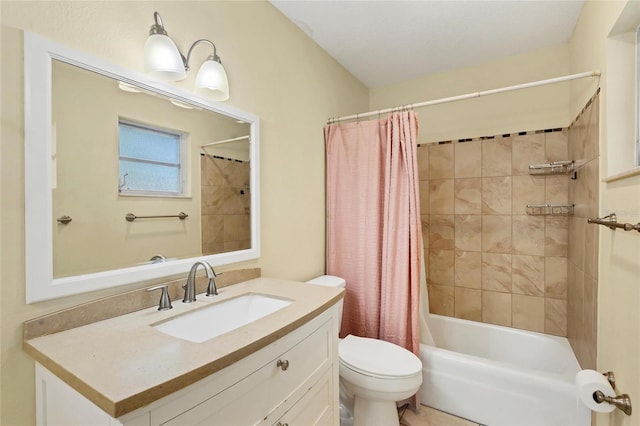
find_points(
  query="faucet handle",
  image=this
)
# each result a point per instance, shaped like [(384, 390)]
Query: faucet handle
[(165, 300), (212, 289)]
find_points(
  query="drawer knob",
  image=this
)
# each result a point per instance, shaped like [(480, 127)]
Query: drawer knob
[(283, 364)]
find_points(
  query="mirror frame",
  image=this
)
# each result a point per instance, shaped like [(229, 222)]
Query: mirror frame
[(39, 53)]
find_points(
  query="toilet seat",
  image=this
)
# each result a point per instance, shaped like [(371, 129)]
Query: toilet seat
[(377, 358)]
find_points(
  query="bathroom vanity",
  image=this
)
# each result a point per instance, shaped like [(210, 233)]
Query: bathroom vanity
[(280, 369)]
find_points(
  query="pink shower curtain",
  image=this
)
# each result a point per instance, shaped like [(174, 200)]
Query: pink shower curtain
[(373, 226)]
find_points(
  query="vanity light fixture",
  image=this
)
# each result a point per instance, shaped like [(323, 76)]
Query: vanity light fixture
[(163, 59)]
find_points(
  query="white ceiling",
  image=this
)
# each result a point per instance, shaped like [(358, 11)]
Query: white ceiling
[(386, 42)]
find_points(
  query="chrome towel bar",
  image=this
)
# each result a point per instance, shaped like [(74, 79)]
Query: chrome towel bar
[(131, 217), (611, 222)]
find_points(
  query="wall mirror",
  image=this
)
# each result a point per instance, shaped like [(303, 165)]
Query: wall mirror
[(129, 179)]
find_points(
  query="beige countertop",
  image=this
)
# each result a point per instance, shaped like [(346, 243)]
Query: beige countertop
[(123, 363)]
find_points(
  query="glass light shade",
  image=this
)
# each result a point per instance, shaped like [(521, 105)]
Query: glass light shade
[(162, 58), (212, 76)]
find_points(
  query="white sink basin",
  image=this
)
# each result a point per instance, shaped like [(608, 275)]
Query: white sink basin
[(219, 318)]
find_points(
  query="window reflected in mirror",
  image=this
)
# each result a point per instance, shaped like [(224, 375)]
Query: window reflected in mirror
[(152, 160)]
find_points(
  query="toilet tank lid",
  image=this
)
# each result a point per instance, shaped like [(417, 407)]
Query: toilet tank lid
[(329, 281)]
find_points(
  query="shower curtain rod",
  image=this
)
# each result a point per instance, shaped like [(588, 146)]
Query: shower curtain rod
[(594, 73), (239, 138)]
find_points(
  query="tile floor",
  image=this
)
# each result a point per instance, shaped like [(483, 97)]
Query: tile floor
[(431, 417)]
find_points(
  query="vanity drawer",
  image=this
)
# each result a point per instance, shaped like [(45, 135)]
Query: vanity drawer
[(265, 395)]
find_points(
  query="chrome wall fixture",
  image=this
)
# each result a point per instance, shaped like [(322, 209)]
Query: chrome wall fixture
[(550, 209), (554, 168), (621, 402), (163, 59), (130, 217), (65, 220), (611, 222)]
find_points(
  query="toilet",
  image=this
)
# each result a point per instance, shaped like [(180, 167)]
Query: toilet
[(374, 374)]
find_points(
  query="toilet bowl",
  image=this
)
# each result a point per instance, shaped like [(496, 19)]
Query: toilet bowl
[(374, 375)]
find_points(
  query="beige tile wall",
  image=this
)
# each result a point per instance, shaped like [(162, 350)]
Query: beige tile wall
[(486, 259), (225, 205), (582, 290)]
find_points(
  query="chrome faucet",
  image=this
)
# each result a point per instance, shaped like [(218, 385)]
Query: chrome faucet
[(190, 286)]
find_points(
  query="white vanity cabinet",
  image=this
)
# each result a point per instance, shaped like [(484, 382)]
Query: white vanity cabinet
[(292, 381)]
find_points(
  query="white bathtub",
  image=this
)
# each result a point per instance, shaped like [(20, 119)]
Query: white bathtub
[(499, 376)]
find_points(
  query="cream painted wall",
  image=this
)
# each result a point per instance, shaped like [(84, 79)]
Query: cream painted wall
[(528, 109), (275, 72), (619, 255)]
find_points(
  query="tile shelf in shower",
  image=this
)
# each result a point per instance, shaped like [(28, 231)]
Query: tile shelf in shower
[(550, 209), (554, 168)]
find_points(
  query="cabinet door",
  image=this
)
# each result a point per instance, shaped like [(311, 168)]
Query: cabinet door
[(59, 404), (315, 407), (266, 394)]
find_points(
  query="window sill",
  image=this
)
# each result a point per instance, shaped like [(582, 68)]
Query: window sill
[(620, 176), (184, 196)]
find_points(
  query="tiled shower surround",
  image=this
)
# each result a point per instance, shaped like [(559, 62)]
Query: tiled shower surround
[(225, 205), (487, 260), (582, 291)]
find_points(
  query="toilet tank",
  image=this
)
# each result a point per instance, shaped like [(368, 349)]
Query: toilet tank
[(331, 281)]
